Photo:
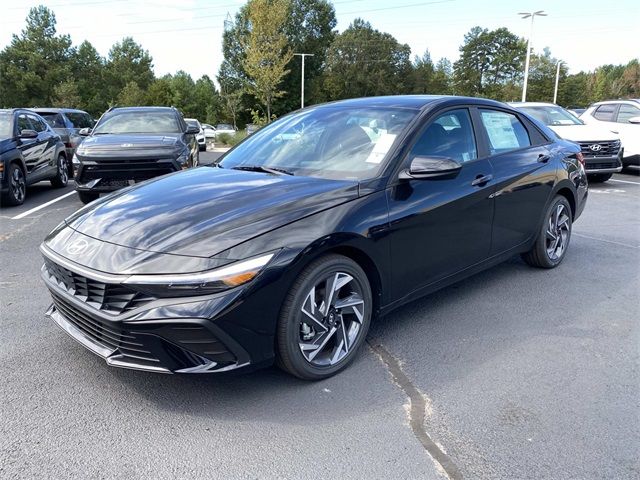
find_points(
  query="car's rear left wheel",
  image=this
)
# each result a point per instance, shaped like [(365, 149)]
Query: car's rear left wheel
[(62, 173), (324, 319)]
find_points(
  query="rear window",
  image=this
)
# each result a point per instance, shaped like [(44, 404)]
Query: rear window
[(55, 120), (80, 120)]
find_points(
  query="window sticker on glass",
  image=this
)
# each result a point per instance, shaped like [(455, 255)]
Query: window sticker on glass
[(500, 130), (381, 147)]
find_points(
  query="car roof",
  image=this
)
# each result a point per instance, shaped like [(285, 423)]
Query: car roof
[(414, 102), (620, 100), (142, 109), (56, 110)]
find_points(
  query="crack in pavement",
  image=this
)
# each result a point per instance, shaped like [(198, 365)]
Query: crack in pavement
[(418, 407)]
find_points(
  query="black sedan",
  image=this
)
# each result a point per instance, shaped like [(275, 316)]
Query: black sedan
[(307, 230)]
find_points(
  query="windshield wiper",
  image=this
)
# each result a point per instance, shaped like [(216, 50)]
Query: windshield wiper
[(262, 168)]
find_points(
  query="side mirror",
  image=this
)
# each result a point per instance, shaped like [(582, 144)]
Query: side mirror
[(192, 130), (28, 133), (84, 132), (635, 120), (430, 167)]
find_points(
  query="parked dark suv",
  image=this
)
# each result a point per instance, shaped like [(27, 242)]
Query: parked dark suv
[(67, 122), (130, 145), (30, 151)]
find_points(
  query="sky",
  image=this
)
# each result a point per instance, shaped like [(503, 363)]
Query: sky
[(187, 34)]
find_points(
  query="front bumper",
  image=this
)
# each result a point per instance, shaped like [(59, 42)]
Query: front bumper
[(603, 164), (155, 335)]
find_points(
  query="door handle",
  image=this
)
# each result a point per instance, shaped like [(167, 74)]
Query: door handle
[(543, 158), (481, 180)]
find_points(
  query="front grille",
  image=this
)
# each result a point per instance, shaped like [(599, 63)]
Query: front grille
[(603, 149), (601, 165), (108, 334), (107, 297), (125, 169)]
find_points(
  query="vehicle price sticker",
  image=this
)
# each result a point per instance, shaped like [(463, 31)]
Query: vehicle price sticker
[(381, 148), (500, 130)]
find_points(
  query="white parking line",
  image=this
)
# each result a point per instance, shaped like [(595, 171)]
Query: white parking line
[(44, 205), (623, 181)]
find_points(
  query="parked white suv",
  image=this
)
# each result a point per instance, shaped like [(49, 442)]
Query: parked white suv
[(600, 147), (621, 117), (200, 138)]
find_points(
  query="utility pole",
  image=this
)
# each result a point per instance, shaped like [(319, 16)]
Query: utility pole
[(532, 15), (302, 83), (555, 90)]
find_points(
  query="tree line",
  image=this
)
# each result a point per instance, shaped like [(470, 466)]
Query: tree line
[(260, 78)]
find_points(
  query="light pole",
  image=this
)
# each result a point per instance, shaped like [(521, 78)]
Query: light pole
[(555, 90), (302, 83), (532, 15)]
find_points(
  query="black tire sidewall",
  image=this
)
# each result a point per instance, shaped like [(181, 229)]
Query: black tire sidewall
[(9, 197), (61, 164), (288, 331), (541, 243)]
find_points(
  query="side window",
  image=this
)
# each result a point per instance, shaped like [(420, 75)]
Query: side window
[(80, 120), (505, 131), (449, 135), (626, 112), (605, 112), (24, 123), (38, 125)]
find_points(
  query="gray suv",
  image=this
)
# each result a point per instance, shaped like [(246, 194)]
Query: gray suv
[(67, 122)]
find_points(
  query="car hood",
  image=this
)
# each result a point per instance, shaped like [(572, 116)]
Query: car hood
[(584, 133), (7, 144), (204, 211), (110, 143)]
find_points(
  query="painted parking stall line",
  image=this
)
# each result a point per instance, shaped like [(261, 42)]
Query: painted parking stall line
[(44, 205), (623, 181)]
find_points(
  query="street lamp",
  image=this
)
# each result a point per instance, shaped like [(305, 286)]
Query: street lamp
[(303, 55), (532, 15), (555, 90)]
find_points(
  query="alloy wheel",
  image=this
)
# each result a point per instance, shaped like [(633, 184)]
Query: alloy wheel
[(558, 231), (63, 175), (18, 185), (331, 319)]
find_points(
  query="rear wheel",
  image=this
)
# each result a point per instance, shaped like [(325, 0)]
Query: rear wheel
[(599, 177), (553, 239), (62, 173), (88, 197), (17, 184), (324, 319)]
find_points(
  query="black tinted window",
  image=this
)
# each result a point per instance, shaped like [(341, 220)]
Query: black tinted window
[(24, 123), (450, 135), (80, 120), (54, 119), (605, 112), (626, 112), (38, 125), (505, 131)]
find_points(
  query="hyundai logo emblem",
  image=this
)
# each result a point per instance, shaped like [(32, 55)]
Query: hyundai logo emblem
[(595, 147), (76, 247)]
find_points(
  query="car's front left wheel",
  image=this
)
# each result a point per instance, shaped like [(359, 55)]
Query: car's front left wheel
[(324, 319)]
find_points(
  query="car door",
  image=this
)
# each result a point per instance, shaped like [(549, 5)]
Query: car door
[(441, 226), (523, 175), (629, 132), (30, 148), (43, 160)]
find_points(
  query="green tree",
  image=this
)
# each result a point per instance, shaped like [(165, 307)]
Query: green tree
[(160, 93), (127, 62), (443, 77), (88, 70), (35, 62), (267, 51), (363, 61), (208, 104), (423, 74), (131, 96), (66, 94), (490, 63), (542, 77)]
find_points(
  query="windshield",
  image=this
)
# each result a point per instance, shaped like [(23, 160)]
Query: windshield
[(55, 120), (138, 122), (80, 120), (328, 142), (552, 115), (193, 123), (224, 126), (5, 125)]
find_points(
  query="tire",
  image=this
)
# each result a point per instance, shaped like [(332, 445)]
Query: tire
[(88, 197), (17, 186), (62, 174), (332, 336), (553, 238), (599, 177)]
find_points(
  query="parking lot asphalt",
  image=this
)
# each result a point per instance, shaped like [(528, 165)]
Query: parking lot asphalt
[(515, 373)]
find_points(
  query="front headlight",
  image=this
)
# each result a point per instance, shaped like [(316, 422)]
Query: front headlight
[(183, 159), (200, 283)]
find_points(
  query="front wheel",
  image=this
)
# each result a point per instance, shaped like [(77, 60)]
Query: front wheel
[(17, 190), (599, 177), (324, 318), (553, 239), (62, 173), (88, 197)]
